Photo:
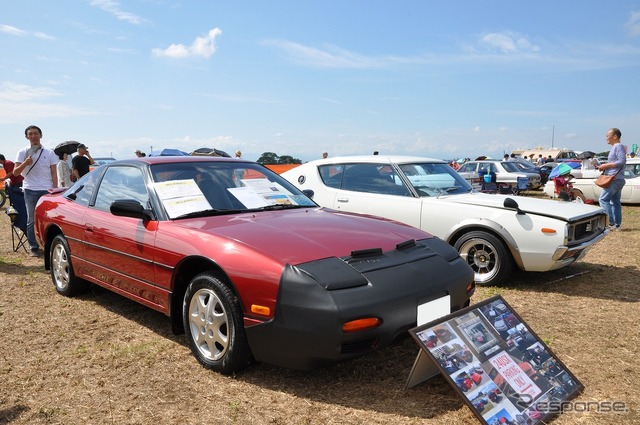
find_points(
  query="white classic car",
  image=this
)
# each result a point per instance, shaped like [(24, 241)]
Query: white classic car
[(584, 181), (491, 232), (506, 172)]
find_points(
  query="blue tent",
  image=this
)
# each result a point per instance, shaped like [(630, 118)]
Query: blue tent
[(168, 152)]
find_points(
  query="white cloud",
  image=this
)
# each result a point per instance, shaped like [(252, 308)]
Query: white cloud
[(19, 102), (507, 42), (202, 46), (14, 92), (633, 24), (8, 29), (330, 57), (113, 7)]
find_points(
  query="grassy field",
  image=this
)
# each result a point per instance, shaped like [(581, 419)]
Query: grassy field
[(101, 359)]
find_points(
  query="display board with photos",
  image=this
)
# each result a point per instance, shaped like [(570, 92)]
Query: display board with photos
[(499, 366)]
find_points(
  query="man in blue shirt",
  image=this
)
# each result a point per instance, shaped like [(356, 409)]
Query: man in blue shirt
[(610, 196)]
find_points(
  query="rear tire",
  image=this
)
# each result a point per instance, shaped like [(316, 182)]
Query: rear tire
[(213, 323), (62, 274), (487, 255)]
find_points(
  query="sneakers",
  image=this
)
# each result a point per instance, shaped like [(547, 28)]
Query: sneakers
[(35, 254), (613, 228)]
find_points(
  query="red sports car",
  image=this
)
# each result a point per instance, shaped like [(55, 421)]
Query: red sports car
[(243, 262)]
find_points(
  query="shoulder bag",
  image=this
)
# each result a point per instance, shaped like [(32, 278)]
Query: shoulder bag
[(604, 181)]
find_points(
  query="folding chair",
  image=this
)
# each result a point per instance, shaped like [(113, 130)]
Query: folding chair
[(488, 180), (505, 189), (18, 236), (521, 185), (489, 188), (17, 212)]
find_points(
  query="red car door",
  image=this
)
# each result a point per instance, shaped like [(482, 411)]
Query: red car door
[(119, 251)]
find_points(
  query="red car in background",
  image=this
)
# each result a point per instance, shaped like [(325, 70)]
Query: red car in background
[(243, 262)]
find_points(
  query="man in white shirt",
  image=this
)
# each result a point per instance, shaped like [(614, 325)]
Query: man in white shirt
[(38, 167)]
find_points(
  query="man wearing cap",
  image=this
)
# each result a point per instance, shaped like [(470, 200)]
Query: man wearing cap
[(140, 154), (82, 161)]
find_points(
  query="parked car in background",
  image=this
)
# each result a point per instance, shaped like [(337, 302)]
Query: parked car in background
[(528, 167), (100, 161), (492, 233), (585, 182), (505, 171), (557, 154), (243, 262), (103, 160)]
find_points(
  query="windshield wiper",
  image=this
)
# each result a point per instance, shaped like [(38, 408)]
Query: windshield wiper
[(278, 207), (206, 213)]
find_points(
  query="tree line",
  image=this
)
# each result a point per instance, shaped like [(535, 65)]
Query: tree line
[(273, 158)]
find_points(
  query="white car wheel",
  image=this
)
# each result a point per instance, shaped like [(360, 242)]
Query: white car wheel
[(487, 255)]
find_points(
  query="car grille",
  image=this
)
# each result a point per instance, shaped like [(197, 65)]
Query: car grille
[(587, 229)]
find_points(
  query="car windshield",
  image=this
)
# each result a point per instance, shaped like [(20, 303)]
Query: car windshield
[(217, 187), (524, 164), (512, 167), (434, 179), (524, 167)]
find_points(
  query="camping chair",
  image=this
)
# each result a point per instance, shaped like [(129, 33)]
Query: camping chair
[(488, 180), (17, 212), (505, 189), (522, 184), (18, 236), (489, 188)]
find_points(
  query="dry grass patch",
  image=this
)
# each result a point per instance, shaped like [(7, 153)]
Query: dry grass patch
[(101, 359)]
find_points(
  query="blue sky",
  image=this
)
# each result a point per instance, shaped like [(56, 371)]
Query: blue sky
[(430, 78)]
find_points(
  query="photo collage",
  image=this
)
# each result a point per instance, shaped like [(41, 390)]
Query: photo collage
[(500, 367)]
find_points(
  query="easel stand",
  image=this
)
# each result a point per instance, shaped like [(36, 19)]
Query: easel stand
[(423, 367)]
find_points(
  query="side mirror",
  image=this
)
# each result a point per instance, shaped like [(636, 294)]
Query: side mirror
[(130, 208), (511, 204)]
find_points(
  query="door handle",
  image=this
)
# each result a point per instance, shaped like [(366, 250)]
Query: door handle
[(345, 200)]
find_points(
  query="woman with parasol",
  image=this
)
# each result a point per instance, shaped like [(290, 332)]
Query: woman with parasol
[(63, 150), (561, 176)]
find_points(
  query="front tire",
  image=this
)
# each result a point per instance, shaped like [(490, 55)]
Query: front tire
[(62, 274), (213, 322), (487, 255)]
